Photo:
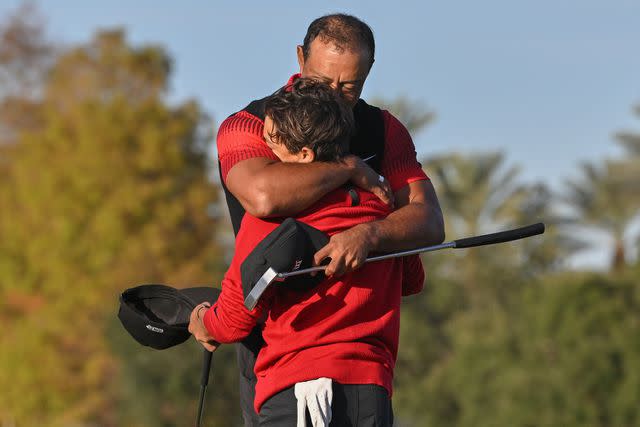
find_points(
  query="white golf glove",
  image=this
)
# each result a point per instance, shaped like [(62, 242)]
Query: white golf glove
[(315, 395)]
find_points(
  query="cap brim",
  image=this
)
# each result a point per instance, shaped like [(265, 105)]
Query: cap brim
[(201, 294)]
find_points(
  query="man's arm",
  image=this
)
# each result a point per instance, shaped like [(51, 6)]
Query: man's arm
[(417, 222), (266, 187)]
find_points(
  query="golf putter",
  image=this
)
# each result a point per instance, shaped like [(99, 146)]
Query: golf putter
[(271, 276), (206, 367)]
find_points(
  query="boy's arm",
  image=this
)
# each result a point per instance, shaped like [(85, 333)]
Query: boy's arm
[(228, 320)]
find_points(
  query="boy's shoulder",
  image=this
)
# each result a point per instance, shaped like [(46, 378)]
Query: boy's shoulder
[(343, 208)]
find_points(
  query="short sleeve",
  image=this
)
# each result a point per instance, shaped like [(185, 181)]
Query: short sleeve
[(400, 165), (240, 138)]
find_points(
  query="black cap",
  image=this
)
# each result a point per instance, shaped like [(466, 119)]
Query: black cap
[(290, 247), (157, 316)]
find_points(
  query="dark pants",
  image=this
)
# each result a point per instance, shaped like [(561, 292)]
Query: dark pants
[(353, 405), (247, 351)]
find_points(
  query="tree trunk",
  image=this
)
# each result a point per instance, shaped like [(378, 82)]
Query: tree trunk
[(618, 261)]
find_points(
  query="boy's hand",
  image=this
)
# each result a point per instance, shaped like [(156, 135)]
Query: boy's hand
[(199, 331), (366, 178)]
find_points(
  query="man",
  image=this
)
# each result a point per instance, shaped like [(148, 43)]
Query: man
[(338, 50), (344, 331)]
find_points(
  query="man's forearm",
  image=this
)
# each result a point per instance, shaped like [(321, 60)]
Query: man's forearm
[(270, 188), (418, 222), (287, 188), (411, 226)]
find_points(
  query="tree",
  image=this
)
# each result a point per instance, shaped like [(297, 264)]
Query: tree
[(477, 196), (566, 356), (605, 198), (412, 114), (475, 291), (109, 191), (630, 141), (26, 56)]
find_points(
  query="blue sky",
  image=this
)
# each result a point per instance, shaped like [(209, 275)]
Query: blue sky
[(547, 82)]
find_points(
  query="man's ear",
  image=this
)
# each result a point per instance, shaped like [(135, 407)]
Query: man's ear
[(300, 54), (306, 155)]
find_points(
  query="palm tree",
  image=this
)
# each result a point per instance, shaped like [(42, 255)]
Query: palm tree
[(474, 192), (630, 140), (476, 196), (412, 114), (538, 203), (605, 198)]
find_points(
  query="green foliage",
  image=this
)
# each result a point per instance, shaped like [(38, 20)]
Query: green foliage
[(161, 388), (110, 190), (494, 342), (566, 353)]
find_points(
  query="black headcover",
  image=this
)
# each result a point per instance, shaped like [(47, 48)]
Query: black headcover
[(290, 247), (157, 316)]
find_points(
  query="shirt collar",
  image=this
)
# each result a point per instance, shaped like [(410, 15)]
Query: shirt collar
[(293, 78)]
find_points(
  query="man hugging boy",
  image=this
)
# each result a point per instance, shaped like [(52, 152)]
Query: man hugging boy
[(341, 336)]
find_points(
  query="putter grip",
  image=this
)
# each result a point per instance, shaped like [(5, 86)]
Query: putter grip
[(206, 367), (500, 237)]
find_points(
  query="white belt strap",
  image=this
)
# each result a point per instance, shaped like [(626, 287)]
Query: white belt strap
[(315, 395)]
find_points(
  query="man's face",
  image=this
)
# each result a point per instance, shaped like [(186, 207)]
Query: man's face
[(345, 71), (280, 150)]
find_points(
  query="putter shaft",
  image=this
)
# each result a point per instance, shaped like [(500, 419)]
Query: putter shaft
[(271, 275), (282, 276)]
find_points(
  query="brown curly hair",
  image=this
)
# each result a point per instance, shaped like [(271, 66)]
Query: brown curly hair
[(308, 113)]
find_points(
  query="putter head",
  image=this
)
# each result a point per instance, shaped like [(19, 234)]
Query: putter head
[(262, 284)]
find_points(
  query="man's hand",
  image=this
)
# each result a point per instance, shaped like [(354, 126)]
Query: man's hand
[(347, 250), (366, 178), (199, 331)]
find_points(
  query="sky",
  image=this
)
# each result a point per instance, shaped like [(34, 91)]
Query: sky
[(547, 82)]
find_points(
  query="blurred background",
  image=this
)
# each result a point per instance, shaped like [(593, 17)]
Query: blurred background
[(520, 113)]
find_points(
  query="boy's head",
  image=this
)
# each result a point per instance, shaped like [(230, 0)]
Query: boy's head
[(306, 122)]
